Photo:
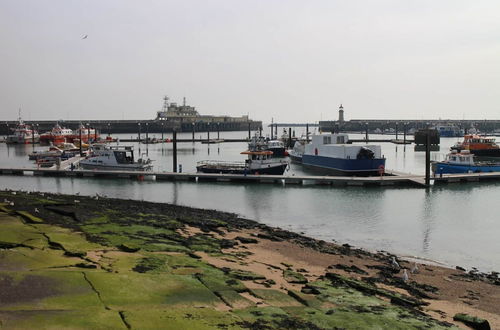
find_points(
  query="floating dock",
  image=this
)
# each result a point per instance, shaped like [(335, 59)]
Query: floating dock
[(393, 179)]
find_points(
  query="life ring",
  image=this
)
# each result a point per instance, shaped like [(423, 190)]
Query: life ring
[(381, 169)]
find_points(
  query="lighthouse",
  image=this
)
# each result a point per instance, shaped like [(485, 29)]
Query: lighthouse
[(341, 114)]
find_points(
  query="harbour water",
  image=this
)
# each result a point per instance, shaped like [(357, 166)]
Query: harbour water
[(455, 224)]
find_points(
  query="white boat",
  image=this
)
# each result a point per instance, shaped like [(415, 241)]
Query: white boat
[(23, 134), (331, 154), (258, 162), (114, 158)]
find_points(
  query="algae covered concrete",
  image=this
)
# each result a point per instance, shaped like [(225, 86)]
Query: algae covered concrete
[(85, 263)]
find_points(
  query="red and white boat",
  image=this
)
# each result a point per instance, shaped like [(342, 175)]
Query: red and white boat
[(23, 134), (86, 134), (56, 136)]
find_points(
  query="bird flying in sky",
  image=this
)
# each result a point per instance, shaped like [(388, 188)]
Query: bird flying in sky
[(85, 36)]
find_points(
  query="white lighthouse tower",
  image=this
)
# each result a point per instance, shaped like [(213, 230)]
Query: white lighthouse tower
[(341, 114)]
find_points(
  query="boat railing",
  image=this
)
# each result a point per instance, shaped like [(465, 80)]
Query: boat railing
[(213, 163)]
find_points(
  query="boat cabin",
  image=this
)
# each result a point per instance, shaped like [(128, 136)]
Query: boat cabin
[(460, 158), (479, 142), (122, 154), (336, 145)]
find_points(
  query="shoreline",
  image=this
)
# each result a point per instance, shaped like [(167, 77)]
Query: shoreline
[(291, 264)]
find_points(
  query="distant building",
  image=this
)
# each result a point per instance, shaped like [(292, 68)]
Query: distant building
[(341, 114), (188, 114)]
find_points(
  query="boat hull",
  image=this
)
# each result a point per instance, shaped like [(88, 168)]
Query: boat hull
[(481, 152), (115, 168), (270, 170), (446, 168), (341, 166)]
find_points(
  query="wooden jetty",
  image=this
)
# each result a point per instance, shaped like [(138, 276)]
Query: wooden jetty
[(392, 178)]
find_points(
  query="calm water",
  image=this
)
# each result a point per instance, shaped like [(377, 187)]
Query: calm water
[(455, 224)]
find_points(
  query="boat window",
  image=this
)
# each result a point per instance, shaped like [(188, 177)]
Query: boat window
[(327, 139), (120, 157), (340, 139)]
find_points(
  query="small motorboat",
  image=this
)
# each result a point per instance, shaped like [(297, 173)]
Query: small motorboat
[(463, 162), (114, 158), (258, 162)]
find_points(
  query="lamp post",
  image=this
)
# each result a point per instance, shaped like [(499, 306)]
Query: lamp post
[(366, 132), (139, 132), (109, 129), (147, 132), (218, 129), (88, 133), (193, 130), (162, 131)]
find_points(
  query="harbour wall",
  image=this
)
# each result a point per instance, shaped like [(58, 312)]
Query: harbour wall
[(134, 126)]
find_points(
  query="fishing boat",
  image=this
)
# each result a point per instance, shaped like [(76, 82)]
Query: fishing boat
[(463, 162), (114, 158), (277, 147), (260, 143), (258, 162), (481, 146), (23, 134), (330, 153), (57, 135), (85, 134)]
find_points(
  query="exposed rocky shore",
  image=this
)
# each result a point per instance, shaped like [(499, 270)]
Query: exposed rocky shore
[(94, 262)]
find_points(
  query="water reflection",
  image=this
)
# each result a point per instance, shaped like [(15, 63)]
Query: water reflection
[(428, 218)]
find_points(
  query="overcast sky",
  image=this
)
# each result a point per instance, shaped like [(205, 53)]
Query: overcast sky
[(295, 61)]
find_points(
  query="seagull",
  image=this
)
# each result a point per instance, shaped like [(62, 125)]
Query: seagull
[(14, 193), (394, 263), (77, 201), (405, 276), (36, 210), (11, 204), (85, 36), (414, 269)]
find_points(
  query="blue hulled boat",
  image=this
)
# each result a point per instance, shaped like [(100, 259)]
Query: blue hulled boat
[(463, 162), (331, 154)]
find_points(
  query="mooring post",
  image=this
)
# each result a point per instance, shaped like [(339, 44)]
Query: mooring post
[(289, 137), (174, 146), (307, 133), (427, 158), (404, 133)]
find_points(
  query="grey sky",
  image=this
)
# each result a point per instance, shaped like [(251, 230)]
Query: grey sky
[(291, 60)]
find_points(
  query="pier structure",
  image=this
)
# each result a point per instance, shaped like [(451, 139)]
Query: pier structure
[(392, 178)]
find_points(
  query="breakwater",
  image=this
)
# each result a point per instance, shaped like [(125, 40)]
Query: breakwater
[(136, 126)]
